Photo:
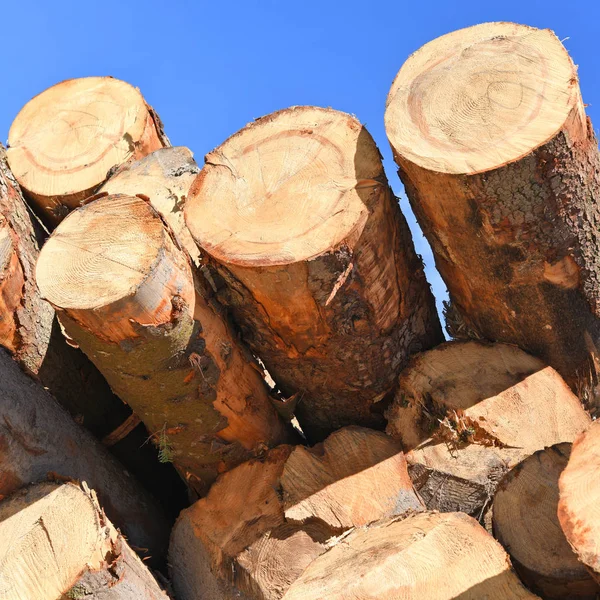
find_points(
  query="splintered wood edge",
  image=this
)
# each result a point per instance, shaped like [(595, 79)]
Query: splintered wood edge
[(66, 139), (420, 554), (481, 97), (285, 188), (100, 253)]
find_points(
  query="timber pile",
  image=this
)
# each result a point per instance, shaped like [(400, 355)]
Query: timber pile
[(239, 336)]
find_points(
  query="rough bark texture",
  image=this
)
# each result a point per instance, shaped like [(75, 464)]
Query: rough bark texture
[(164, 348), (525, 522), (38, 440), (65, 142), (31, 333), (264, 522), (428, 556), (56, 543), (335, 327), (466, 412), (517, 245), (579, 499)]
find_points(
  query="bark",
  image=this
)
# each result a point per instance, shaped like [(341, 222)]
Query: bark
[(525, 522), (64, 143), (467, 412), (579, 499), (31, 333), (514, 238), (316, 262), (38, 440), (164, 177), (425, 556), (264, 522), (56, 543), (130, 303)]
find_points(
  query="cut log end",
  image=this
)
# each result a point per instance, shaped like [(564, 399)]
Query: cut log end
[(264, 522), (425, 556), (469, 411), (94, 261), (251, 208), (64, 141), (525, 522), (55, 540), (453, 377), (478, 98), (579, 504)]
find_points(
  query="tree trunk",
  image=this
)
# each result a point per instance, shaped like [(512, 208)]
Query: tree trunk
[(467, 412), (317, 261), (64, 142), (526, 524), (502, 170), (126, 295), (428, 556), (264, 522), (164, 177), (56, 543), (39, 440), (579, 504), (30, 332)]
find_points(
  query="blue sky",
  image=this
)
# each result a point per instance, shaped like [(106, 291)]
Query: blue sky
[(210, 67)]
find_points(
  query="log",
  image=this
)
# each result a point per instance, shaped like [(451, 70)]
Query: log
[(164, 177), (525, 522), (467, 412), (26, 329), (579, 499), (315, 261), (30, 332), (56, 543), (64, 142), (264, 522), (126, 295), (38, 439), (428, 556), (489, 131)]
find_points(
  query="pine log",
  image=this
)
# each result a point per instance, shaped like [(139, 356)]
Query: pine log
[(30, 332), (525, 522), (579, 503), (57, 544), (316, 260), (65, 141), (264, 522), (502, 170), (126, 295), (467, 412), (164, 177), (26, 327), (38, 439), (428, 556)]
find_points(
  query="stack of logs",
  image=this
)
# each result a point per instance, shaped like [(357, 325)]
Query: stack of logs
[(255, 342)]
